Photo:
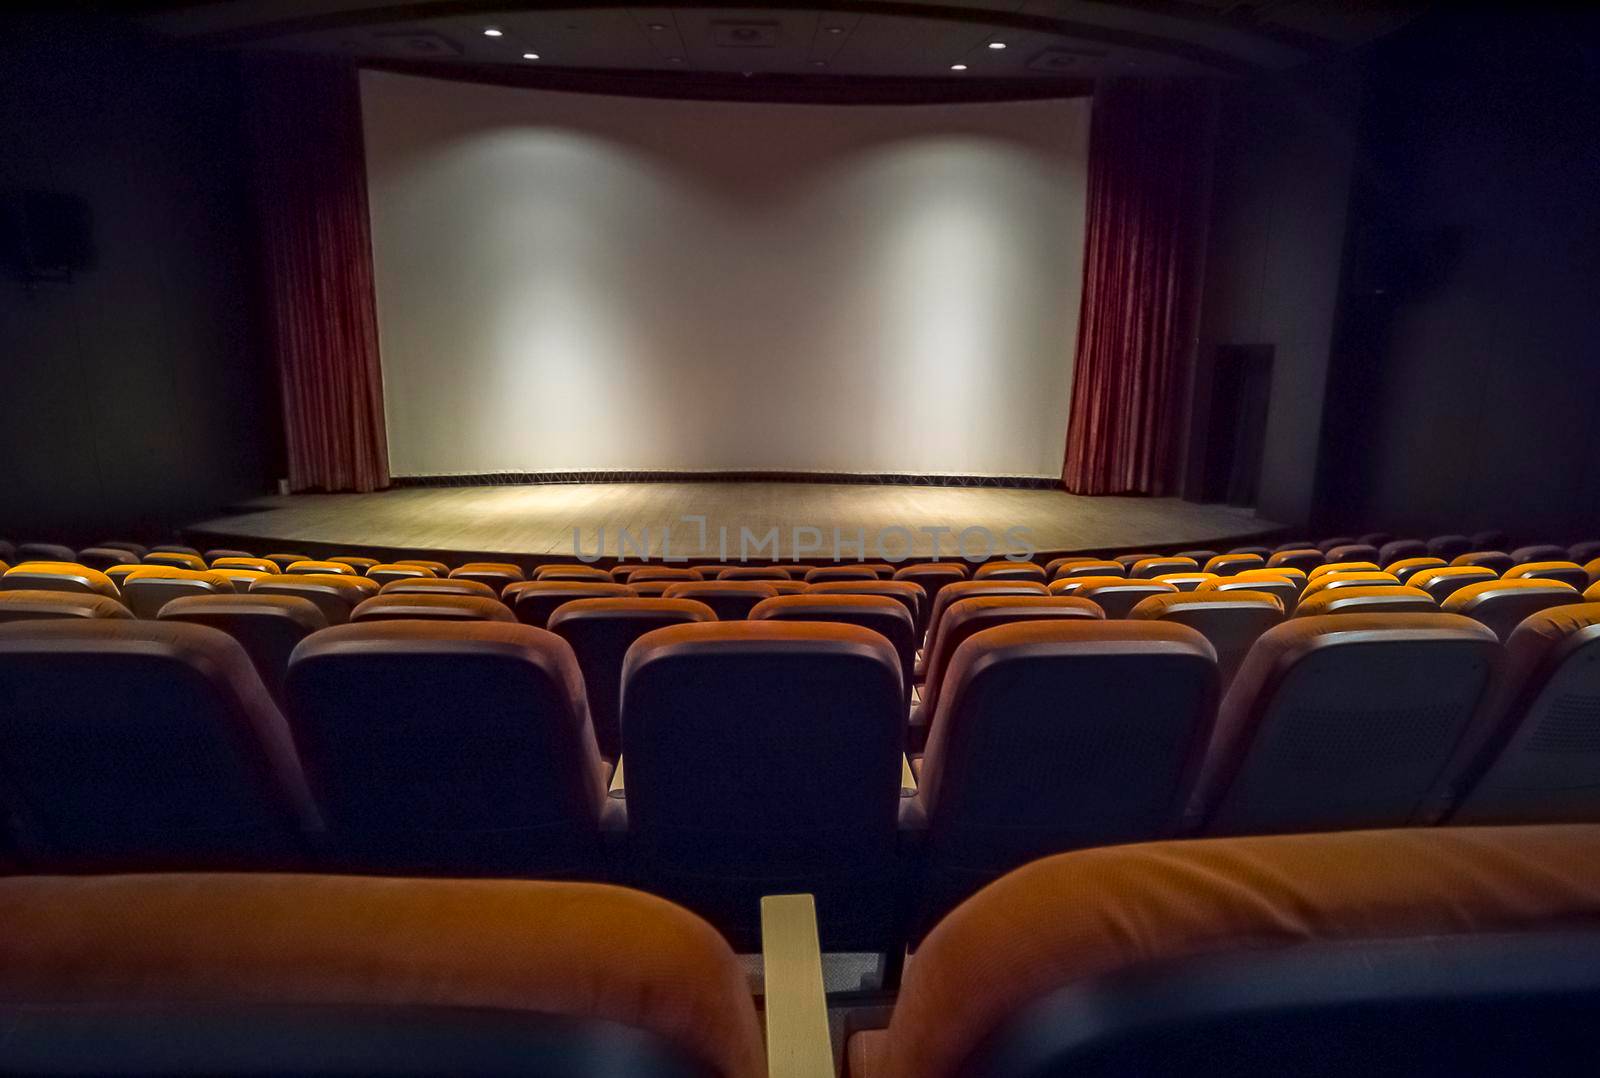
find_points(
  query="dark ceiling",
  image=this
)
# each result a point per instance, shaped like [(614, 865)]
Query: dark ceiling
[(989, 40)]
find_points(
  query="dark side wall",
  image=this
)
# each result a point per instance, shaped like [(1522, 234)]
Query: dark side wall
[(1280, 188), (1465, 384), (136, 397)]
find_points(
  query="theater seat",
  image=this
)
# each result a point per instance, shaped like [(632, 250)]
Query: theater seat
[(906, 592), (1442, 583), (764, 757), (149, 588), (1344, 721), (103, 558), (824, 574), (140, 745), (51, 552), (174, 548), (1283, 572), (1150, 568), (438, 568), (48, 605), (881, 614), (177, 559), (1565, 571), (1420, 952), (1229, 564), (136, 549), (1541, 763), (1286, 591), (731, 599), (965, 617), (1585, 552), (1496, 561), (335, 595), (1378, 599), (496, 574), (1449, 546), (1009, 570), (437, 586), (789, 587), (645, 573), (1088, 567), (283, 560), (1331, 581), (933, 576), (652, 589), (305, 975), (1402, 550), (235, 561), (1187, 581), (970, 589), (211, 556), (1341, 567), (1354, 552), (451, 748), (1119, 597), (600, 632), (1303, 559), (755, 572), (267, 626), (1231, 621), (1128, 561), (1071, 585), (1502, 604), (573, 572), (241, 579), (322, 568), (1038, 745), (359, 564), (533, 601), (402, 606), (1405, 568), (389, 572), (1539, 552), (1489, 539), (58, 576)]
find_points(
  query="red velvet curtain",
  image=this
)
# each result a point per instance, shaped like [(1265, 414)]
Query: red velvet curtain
[(311, 201), (1148, 156)]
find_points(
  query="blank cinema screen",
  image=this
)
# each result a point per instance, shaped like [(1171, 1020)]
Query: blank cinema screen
[(572, 282)]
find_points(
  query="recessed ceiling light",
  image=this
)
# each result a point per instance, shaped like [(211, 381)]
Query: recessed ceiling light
[(835, 29), (674, 59), (658, 26), (997, 44), (530, 56), (958, 67), (819, 63), (493, 31)]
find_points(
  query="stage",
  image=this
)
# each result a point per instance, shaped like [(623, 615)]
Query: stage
[(536, 523)]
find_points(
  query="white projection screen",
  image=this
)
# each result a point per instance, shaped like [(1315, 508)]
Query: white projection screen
[(575, 282)]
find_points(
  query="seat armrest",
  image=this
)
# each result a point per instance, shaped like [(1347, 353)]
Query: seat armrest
[(908, 779), (798, 1045), (617, 789)]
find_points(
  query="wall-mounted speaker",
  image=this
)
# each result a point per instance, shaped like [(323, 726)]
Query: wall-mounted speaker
[(45, 235)]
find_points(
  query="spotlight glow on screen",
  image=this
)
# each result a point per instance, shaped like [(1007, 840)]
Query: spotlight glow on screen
[(575, 282)]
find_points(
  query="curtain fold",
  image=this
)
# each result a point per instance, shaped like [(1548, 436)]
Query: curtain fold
[(1148, 157), (316, 250)]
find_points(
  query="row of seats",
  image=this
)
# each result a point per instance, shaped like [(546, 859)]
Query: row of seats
[(769, 753), (1403, 952)]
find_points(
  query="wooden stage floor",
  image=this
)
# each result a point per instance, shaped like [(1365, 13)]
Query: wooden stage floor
[(537, 522)]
